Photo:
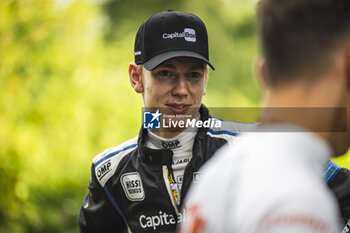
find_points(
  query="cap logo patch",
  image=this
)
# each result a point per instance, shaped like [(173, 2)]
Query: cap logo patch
[(188, 34)]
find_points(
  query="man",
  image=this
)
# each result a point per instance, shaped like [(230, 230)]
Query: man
[(271, 180), (139, 185)]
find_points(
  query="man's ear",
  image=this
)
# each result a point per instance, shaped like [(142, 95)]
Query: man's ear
[(206, 73), (347, 68), (261, 72), (135, 77), (205, 88)]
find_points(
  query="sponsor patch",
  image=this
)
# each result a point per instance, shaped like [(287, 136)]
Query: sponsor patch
[(132, 186), (103, 169), (172, 144), (189, 34)]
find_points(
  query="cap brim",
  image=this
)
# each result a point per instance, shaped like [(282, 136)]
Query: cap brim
[(159, 59)]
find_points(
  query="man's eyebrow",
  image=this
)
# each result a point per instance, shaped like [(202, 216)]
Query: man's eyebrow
[(172, 66), (197, 67), (167, 65)]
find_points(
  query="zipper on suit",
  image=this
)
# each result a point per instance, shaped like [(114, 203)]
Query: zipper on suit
[(172, 188)]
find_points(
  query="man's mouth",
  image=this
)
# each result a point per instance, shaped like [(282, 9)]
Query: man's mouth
[(178, 108)]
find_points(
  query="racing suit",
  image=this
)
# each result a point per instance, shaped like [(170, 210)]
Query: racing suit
[(129, 185)]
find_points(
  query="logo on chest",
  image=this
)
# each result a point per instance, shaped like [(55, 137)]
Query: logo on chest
[(132, 185), (172, 144), (103, 169)]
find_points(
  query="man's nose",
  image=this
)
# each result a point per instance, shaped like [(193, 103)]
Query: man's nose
[(180, 87)]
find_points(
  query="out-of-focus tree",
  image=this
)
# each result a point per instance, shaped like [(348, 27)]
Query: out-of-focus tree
[(122, 14), (43, 44)]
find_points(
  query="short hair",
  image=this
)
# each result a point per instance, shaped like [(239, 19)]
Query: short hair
[(298, 37)]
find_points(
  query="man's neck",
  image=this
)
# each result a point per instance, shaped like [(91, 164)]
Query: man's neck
[(289, 99), (167, 133), (182, 141)]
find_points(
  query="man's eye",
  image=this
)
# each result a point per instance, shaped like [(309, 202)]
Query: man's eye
[(164, 73), (194, 74)]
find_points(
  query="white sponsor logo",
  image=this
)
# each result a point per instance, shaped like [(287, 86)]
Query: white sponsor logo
[(347, 227), (132, 186), (103, 169), (161, 219), (196, 177), (188, 34)]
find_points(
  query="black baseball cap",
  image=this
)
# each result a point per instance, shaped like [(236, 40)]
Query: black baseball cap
[(171, 34)]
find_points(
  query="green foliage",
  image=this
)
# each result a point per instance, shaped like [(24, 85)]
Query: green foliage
[(122, 14), (65, 94)]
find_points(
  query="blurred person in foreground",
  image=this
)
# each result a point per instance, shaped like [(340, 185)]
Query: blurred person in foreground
[(277, 184), (139, 185)]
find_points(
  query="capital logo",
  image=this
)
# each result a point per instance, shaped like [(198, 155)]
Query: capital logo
[(132, 186), (151, 120), (190, 34)]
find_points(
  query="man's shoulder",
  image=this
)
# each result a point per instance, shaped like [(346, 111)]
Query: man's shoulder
[(106, 162), (121, 149)]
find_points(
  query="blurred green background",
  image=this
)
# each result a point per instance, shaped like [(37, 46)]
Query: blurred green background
[(65, 94)]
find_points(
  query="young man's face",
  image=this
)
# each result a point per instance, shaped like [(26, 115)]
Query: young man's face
[(176, 86)]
